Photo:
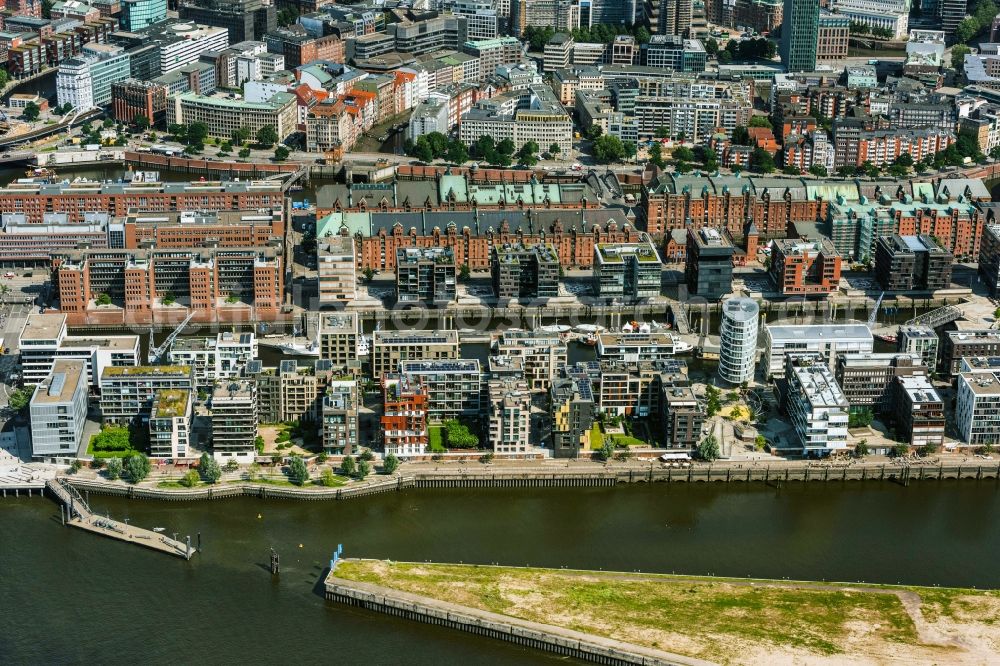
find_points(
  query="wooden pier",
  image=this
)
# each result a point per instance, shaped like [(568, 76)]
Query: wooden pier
[(76, 513)]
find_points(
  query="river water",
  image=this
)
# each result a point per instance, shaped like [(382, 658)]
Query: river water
[(69, 596)]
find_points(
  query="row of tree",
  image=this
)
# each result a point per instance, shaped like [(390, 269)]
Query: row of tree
[(977, 21), (601, 33), (858, 28)]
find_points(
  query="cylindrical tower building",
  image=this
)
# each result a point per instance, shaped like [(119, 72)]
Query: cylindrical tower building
[(738, 345)]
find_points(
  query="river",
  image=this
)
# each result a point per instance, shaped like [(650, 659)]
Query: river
[(75, 597)]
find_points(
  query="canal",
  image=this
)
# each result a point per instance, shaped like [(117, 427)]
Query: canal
[(74, 597)]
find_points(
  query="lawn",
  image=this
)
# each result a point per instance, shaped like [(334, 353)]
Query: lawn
[(618, 439), (596, 437), (435, 438), (722, 620), (108, 454)]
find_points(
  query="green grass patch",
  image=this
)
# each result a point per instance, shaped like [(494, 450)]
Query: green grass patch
[(435, 438), (596, 437), (177, 485), (627, 440), (720, 618)]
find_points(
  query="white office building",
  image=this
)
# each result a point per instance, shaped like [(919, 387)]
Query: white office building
[(892, 15), (816, 406), (335, 269), (221, 357), (827, 340), (58, 411), (84, 81), (431, 115), (44, 339), (738, 340)]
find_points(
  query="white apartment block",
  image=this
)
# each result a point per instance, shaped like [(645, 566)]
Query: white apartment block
[(430, 115), (509, 416), (827, 340), (335, 267), (816, 406), (170, 424), (977, 407), (44, 339), (221, 357), (192, 40), (540, 355)]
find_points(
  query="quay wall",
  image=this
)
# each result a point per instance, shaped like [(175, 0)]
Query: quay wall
[(560, 641), (773, 475)]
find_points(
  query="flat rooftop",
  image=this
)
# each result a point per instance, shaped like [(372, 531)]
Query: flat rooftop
[(982, 383), (919, 389), (415, 337), (820, 388), (793, 332), (110, 342), (346, 322), (440, 366), (61, 384), (43, 326), (147, 371), (195, 218), (171, 403)]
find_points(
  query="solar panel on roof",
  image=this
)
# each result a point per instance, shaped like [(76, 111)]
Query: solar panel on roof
[(57, 383)]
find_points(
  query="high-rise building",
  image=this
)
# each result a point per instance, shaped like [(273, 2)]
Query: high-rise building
[(140, 14), (571, 407), (454, 387), (922, 341), (128, 394), (827, 340), (425, 275), (234, 420), (170, 423), (977, 408), (338, 338), (800, 35), (708, 263), (738, 345), (391, 347), (338, 283), (243, 19), (669, 17), (912, 263), (951, 13), (85, 81), (627, 272), (340, 417), (509, 415), (816, 405), (524, 271), (404, 416)]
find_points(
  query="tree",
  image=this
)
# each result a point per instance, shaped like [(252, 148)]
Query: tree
[(607, 450), (457, 152), (244, 153), (741, 137), (760, 121), (137, 467), (506, 147), (554, 149), (209, 468), (630, 149), (103, 299), (141, 122), (364, 469), (298, 473), (75, 466), (791, 170), (608, 148), (197, 133), (760, 442), (464, 273), (761, 161), (958, 53), (327, 478), (253, 471), (683, 154), (709, 449), (593, 132), (860, 419), (642, 35), (929, 449), (713, 400), (458, 435), (711, 47), (114, 469), (241, 135), (267, 136), (190, 480), (232, 465), (31, 112), (656, 155), (18, 400), (390, 464), (818, 170), (899, 450), (281, 153), (861, 450), (347, 466)]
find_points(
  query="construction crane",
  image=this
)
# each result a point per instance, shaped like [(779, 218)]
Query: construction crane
[(156, 354)]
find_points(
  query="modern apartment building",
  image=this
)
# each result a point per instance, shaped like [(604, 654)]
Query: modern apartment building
[(627, 272), (912, 263), (634, 389), (170, 423), (389, 348), (816, 406), (128, 394), (682, 416), (977, 407), (223, 115), (989, 258), (571, 408), (920, 412), (921, 341), (509, 416), (524, 271), (340, 417), (827, 340), (404, 416), (674, 53), (58, 410), (635, 346), (425, 275), (540, 354), (969, 343), (220, 358), (558, 52), (454, 387), (335, 267), (805, 268), (290, 392), (339, 335), (738, 340), (234, 414), (44, 340), (708, 263)]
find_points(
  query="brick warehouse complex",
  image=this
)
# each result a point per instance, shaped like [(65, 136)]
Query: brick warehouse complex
[(117, 199), (205, 280)]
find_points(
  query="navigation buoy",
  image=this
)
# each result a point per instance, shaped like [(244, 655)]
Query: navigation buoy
[(300, 545), (259, 516)]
